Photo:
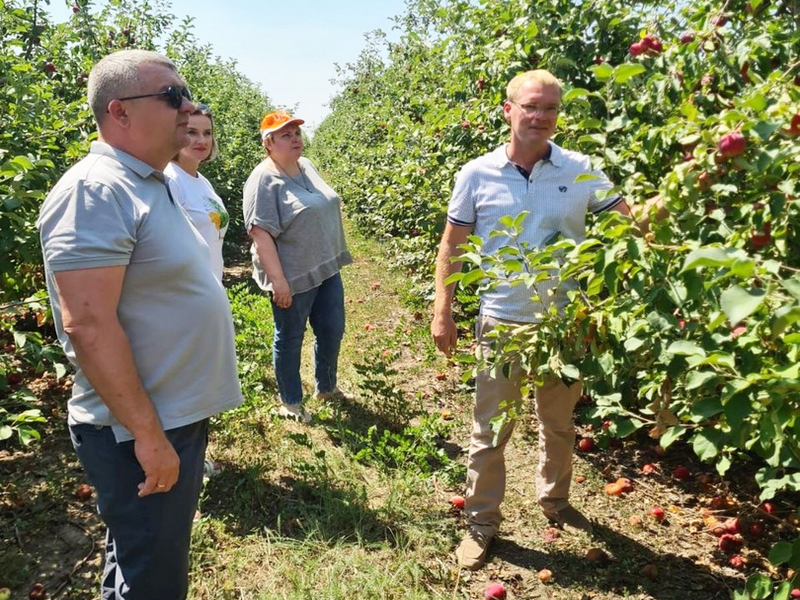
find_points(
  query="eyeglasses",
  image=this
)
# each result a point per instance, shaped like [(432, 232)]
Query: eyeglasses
[(530, 109), (174, 95)]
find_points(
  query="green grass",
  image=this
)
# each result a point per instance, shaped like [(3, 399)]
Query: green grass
[(352, 504)]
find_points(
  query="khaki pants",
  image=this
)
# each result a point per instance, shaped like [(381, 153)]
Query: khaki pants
[(486, 470)]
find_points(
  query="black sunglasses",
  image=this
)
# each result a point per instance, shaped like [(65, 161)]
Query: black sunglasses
[(174, 95)]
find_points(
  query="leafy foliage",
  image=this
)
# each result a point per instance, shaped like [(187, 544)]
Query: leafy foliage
[(690, 331), (46, 125), (662, 311)]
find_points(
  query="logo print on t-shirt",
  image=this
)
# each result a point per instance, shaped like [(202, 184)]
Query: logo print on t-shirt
[(217, 214), (562, 188)]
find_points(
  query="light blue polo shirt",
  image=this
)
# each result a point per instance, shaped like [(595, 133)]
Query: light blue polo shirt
[(492, 186)]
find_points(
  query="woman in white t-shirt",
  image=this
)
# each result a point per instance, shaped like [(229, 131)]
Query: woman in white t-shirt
[(193, 191)]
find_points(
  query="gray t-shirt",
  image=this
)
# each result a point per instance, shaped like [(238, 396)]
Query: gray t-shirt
[(303, 215), (112, 209)]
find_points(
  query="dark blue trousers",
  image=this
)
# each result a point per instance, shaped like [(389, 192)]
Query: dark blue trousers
[(147, 542)]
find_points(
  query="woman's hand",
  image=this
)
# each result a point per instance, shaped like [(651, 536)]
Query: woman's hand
[(281, 293)]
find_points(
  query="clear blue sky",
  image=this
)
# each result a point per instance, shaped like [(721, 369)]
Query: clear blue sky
[(288, 47)]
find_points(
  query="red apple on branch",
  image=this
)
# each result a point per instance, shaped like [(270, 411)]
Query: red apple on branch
[(637, 48), (732, 144)]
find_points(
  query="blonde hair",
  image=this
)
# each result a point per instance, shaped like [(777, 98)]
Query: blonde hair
[(539, 75)]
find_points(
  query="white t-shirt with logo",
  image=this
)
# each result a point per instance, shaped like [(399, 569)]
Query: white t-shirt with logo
[(204, 207)]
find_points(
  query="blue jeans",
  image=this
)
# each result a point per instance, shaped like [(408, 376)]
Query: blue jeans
[(147, 542), (323, 307)]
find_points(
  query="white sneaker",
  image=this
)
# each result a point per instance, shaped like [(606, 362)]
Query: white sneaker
[(336, 394), (211, 468), (294, 411)]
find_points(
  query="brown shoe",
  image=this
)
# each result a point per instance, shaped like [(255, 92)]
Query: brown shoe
[(471, 552), (569, 516)]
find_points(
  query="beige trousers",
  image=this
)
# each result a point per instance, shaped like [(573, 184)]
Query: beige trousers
[(486, 469)]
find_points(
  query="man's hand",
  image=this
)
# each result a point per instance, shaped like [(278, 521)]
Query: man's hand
[(443, 328), (445, 333), (160, 464), (281, 293)]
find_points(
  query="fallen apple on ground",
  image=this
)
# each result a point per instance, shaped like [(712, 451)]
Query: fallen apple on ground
[(650, 571), (84, 491), (733, 526), (681, 473), (737, 562), (457, 502), (596, 555), (729, 543), (544, 575), (656, 512), (495, 591), (620, 486)]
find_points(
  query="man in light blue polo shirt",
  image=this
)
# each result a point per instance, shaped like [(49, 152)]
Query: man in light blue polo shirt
[(531, 174), (144, 321)]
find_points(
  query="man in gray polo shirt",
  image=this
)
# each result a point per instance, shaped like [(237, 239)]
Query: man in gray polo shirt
[(145, 322), (532, 174)]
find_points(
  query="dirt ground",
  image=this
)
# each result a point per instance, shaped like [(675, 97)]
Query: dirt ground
[(50, 532)]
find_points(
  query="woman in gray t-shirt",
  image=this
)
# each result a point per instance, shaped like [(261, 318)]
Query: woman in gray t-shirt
[(294, 219)]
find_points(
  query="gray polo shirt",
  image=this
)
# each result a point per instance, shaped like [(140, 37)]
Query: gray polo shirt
[(112, 209), (491, 186), (303, 215)]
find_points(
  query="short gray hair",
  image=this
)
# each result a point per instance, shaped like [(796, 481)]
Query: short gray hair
[(117, 76)]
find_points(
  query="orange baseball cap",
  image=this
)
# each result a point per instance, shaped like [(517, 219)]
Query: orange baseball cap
[(275, 120)]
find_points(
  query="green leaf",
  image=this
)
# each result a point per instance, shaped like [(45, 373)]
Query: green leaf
[(472, 276), (780, 553), (670, 435), (706, 443), (784, 316), (723, 464), (783, 591), (706, 408), (23, 161), (626, 426), (571, 372), (697, 379), (685, 348), (738, 303), (765, 129), (708, 257), (633, 344), (5, 432), (602, 72), (60, 369), (575, 93), (792, 285), (758, 586), (737, 410), (586, 177), (20, 339), (627, 70)]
